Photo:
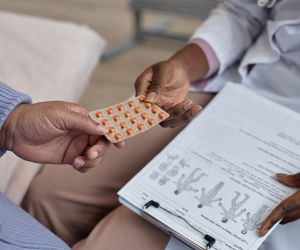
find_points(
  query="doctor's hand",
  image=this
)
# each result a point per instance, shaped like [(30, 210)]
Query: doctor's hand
[(167, 83), (55, 133), (288, 210)]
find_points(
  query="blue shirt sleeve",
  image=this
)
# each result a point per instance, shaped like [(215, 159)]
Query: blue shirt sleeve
[(9, 100), (20, 231)]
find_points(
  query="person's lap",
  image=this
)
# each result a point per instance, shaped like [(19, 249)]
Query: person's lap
[(124, 229), (85, 206)]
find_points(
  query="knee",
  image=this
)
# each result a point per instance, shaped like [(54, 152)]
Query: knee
[(36, 197)]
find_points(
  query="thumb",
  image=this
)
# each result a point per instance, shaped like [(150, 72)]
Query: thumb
[(289, 180), (162, 73), (85, 124)]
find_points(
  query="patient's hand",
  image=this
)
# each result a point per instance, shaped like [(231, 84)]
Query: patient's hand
[(167, 83), (55, 132), (288, 210)]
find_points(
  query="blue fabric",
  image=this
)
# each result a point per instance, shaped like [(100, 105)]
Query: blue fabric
[(18, 230), (9, 99)]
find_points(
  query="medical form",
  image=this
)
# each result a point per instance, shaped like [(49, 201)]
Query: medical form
[(219, 172)]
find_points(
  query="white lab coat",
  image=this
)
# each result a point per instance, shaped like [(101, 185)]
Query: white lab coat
[(241, 33)]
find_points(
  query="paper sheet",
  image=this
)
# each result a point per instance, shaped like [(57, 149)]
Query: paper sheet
[(219, 172)]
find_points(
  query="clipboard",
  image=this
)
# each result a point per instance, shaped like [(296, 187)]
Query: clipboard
[(173, 233)]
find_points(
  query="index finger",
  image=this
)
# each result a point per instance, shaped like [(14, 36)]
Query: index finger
[(120, 144), (142, 83), (162, 73), (285, 208), (77, 108)]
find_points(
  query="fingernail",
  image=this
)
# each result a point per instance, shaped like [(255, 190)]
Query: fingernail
[(94, 155), (151, 97), (102, 128), (281, 176), (264, 232), (274, 177), (168, 105), (83, 171), (78, 164), (188, 105), (196, 110)]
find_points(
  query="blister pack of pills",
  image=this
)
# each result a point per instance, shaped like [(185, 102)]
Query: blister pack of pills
[(129, 118)]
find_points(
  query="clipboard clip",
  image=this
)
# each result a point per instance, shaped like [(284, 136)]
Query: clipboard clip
[(210, 239)]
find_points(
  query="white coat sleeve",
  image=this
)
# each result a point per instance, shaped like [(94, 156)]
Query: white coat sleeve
[(231, 28)]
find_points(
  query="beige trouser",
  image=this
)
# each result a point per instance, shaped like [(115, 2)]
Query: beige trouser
[(84, 208)]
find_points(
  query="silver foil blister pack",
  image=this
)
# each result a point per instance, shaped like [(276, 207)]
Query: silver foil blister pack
[(129, 118)]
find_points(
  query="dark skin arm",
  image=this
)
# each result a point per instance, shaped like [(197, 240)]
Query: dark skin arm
[(288, 210), (167, 83)]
